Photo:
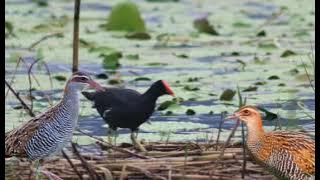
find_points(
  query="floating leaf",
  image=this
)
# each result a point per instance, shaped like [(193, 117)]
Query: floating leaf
[(115, 81), (261, 33), (138, 35), (287, 53), (267, 46), (190, 112), (243, 64), (235, 53), (184, 56), (193, 79), (251, 88), (125, 16), (260, 83), (8, 28), (165, 105), (60, 77), (132, 56), (191, 88), (241, 25), (102, 76), (227, 95), (111, 61), (203, 25), (273, 77), (142, 79), (156, 64), (41, 3), (294, 71)]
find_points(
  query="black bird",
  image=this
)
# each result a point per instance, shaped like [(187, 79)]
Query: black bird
[(127, 108)]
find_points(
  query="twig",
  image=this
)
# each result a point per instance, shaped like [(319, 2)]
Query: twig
[(146, 172), (76, 35), (219, 130), (243, 172), (72, 165), (93, 174), (14, 75), (228, 140), (308, 75), (103, 143), (30, 84), (44, 38), (123, 172), (21, 101)]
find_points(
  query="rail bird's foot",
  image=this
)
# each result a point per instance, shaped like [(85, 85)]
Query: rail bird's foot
[(136, 143), (51, 175)]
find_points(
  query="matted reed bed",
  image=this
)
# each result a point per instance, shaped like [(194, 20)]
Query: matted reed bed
[(162, 161)]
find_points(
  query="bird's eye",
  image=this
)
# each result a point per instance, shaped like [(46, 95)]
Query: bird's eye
[(246, 112), (83, 78)]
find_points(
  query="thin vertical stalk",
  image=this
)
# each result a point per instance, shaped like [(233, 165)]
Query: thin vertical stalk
[(75, 62)]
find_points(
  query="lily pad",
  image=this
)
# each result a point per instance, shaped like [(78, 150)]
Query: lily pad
[(138, 35), (273, 77), (251, 88), (190, 112), (203, 25), (227, 95), (261, 33), (287, 53), (142, 79), (111, 61)]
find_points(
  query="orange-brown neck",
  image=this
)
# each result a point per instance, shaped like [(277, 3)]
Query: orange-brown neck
[(255, 129)]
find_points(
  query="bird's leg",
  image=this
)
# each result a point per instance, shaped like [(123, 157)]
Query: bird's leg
[(49, 174), (37, 165), (110, 134), (136, 143)]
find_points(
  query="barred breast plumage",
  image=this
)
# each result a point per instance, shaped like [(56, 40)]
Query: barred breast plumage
[(49, 132), (287, 155)]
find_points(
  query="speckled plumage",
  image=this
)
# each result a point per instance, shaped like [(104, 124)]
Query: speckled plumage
[(287, 155)]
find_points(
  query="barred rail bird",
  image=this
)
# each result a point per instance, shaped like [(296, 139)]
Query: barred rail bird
[(47, 133), (127, 108), (287, 155)]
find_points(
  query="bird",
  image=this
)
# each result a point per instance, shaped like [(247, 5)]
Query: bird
[(47, 133), (287, 155), (127, 108)]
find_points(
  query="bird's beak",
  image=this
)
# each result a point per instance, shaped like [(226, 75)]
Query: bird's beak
[(96, 85), (231, 117)]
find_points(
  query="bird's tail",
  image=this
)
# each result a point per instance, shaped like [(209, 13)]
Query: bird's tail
[(88, 95)]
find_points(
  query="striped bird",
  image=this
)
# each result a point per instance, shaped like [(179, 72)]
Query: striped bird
[(47, 133), (287, 155)]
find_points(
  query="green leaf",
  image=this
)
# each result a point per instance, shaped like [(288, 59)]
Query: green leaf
[(191, 88), (111, 61), (239, 24), (287, 53), (138, 35), (273, 77), (227, 95), (142, 79), (251, 88), (261, 33), (190, 112), (132, 56), (125, 16), (203, 25)]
